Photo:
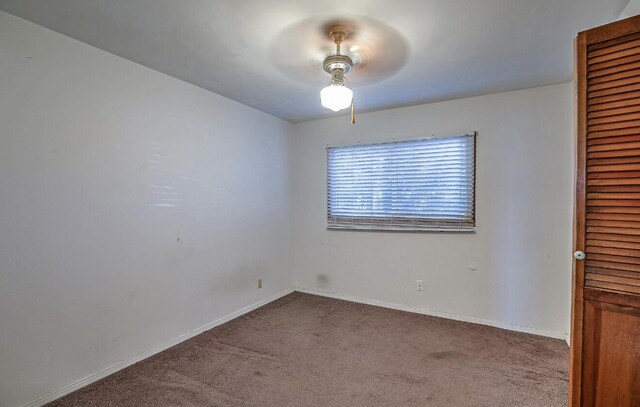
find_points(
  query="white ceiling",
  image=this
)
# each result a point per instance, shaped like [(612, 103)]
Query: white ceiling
[(442, 49)]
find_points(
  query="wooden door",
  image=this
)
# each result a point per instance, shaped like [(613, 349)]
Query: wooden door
[(605, 340)]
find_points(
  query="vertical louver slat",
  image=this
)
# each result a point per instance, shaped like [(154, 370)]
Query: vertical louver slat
[(418, 185)]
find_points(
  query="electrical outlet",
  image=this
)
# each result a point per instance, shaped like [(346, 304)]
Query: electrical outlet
[(259, 283), (419, 285)]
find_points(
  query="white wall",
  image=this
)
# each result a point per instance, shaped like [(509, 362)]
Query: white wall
[(134, 208), (632, 9), (522, 247)]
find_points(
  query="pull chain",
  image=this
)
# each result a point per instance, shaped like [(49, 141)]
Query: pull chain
[(353, 103), (353, 112)]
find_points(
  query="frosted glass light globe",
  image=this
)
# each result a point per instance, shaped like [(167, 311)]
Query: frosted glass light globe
[(336, 97)]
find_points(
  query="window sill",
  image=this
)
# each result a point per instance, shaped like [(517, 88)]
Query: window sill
[(395, 229)]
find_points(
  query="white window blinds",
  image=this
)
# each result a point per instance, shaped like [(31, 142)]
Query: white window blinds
[(415, 185)]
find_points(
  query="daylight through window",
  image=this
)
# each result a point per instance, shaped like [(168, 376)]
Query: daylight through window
[(426, 184)]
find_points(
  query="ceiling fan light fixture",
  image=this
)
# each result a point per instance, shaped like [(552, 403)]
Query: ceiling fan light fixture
[(337, 95)]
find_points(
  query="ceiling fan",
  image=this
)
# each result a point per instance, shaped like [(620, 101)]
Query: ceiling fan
[(364, 49), (338, 95)]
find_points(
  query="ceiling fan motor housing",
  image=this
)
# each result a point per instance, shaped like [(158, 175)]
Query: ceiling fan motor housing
[(333, 62)]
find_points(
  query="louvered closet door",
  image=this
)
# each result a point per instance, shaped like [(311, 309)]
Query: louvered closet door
[(606, 303), (613, 166)]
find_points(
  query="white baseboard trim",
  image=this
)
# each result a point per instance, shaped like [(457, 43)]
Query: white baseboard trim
[(447, 315), (141, 356)]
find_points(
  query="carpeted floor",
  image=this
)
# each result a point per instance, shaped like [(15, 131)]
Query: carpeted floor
[(304, 350)]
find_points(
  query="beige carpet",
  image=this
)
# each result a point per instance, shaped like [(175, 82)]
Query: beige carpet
[(305, 350)]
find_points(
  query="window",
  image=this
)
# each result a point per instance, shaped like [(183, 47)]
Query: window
[(424, 184)]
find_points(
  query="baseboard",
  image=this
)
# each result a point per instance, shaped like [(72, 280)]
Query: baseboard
[(141, 356), (424, 311)]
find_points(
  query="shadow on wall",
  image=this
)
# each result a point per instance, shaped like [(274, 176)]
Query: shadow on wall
[(323, 281)]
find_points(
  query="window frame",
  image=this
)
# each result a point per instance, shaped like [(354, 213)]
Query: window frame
[(364, 227)]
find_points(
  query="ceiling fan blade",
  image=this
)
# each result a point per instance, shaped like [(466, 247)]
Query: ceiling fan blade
[(377, 50)]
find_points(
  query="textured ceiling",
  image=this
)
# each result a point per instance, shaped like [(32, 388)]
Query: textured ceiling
[(435, 49)]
